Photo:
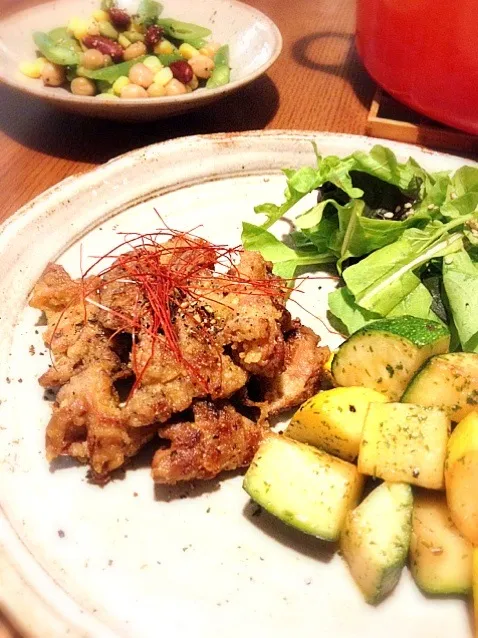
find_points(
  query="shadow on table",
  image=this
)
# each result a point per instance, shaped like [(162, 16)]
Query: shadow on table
[(350, 68), (42, 128)]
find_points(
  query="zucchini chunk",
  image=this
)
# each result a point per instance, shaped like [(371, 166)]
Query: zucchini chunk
[(304, 487), (461, 477), (385, 354), (376, 538), (448, 381), (405, 443), (440, 557), (333, 420)]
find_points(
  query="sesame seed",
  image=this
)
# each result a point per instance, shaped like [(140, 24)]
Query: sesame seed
[(398, 209), (388, 215), (431, 206), (407, 205), (453, 195)]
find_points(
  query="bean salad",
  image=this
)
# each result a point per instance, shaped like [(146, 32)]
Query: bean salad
[(117, 55)]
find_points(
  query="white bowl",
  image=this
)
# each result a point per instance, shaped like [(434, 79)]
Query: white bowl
[(254, 40)]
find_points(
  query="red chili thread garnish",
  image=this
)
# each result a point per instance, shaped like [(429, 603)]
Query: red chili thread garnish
[(170, 277)]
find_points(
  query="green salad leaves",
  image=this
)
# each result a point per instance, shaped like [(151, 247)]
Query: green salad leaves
[(405, 241)]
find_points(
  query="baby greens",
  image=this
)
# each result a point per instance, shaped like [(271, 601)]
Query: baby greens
[(404, 240)]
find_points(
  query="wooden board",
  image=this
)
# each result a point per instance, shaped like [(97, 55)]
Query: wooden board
[(391, 120)]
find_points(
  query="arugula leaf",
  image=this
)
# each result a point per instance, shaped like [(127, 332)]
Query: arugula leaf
[(418, 303), (299, 183), (285, 259), (460, 279), (382, 163), (351, 316), (381, 281)]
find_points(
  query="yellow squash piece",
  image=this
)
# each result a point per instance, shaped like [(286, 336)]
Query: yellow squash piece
[(405, 443), (333, 420), (461, 477), (304, 487), (475, 588), (440, 557)]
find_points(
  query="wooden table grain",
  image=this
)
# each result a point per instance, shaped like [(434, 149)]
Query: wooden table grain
[(318, 83)]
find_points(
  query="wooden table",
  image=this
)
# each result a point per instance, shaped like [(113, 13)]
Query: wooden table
[(317, 84)]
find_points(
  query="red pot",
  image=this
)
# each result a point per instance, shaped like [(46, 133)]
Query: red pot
[(425, 54)]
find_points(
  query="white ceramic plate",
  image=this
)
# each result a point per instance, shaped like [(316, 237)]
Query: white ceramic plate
[(254, 41), (126, 560)]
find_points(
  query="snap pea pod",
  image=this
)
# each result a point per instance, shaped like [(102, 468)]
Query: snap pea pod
[(112, 73), (109, 73), (222, 73), (56, 53), (148, 11), (184, 31), (62, 37)]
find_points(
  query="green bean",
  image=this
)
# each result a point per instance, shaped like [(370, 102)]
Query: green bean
[(222, 73), (56, 53), (184, 31)]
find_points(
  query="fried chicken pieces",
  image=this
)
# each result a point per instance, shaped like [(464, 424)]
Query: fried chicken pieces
[(168, 341)]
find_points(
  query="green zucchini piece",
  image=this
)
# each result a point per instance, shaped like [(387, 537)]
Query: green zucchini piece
[(376, 538), (304, 487), (385, 354), (448, 381), (440, 557)]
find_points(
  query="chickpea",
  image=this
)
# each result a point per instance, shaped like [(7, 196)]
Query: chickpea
[(92, 59), (135, 50), (83, 86), (53, 74), (142, 76), (156, 90), (193, 84), (133, 91), (202, 66), (175, 87)]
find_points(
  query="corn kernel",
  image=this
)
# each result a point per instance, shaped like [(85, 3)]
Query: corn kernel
[(101, 16), (78, 27), (163, 76), (120, 83), (164, 47), (123, 41), (33, 69), (152, 63), (208, 51), (187, 51)]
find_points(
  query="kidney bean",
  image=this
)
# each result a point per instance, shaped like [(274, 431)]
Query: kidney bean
[(105, 45), (153, 36), (119, 18), (182, 71)]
